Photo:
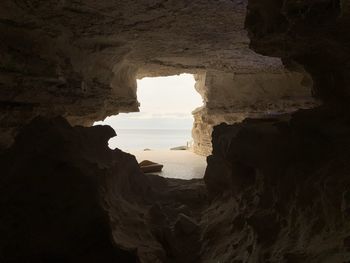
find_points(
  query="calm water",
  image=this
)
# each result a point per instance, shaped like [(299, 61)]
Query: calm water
[(128, 139)]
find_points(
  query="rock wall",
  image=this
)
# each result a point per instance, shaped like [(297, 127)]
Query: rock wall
[(275, 190), (279, 190), (313, 33), (230, 98), (80, 59), (72, 199), (51, 185)]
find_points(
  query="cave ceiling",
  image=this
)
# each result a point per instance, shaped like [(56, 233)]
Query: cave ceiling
[(80, 59)]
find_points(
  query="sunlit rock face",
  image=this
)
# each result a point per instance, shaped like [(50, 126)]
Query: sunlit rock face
[(230, 98), (80, 59)]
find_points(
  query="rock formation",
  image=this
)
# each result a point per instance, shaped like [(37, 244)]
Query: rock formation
[(80, 59), (279, 189), (313, 33), (51, 202), (276, 188), (72, 199), (230, 98)]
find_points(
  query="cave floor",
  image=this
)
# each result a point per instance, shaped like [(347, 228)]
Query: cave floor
[(177, 164)]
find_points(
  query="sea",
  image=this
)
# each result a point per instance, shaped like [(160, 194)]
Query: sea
[(153, 139)]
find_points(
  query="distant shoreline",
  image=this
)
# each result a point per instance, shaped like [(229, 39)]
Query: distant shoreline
[(158, 129), (154, 139)]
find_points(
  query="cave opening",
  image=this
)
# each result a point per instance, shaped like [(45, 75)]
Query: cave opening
[(162, 129), (275, 127)]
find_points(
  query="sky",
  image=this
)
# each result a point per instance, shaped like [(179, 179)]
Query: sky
[(166, 103)]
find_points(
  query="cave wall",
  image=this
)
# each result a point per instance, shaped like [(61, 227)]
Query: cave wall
[(73, 199), (230, 98), (52, 185), (279, 189), (313, 33), (276, 187), (80, 59), (275, 190)]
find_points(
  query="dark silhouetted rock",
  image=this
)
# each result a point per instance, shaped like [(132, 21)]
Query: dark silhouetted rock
[(50, 196), (279, 188)]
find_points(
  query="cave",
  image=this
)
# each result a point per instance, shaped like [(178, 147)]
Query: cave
[(274, 129)]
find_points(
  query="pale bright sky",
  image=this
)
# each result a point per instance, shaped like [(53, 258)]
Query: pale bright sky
[(166, 103)]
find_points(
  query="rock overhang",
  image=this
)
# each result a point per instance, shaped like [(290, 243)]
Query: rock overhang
[(81, 59)]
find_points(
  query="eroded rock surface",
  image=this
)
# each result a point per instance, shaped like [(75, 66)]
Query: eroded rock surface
[(80, 59), (230, 98), (275, 190), (67, 197), (279, 190), (313, 33)]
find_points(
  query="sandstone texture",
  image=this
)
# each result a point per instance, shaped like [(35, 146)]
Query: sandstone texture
[(312, 33), (276, 188), (230, 98), (80, 59)]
